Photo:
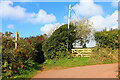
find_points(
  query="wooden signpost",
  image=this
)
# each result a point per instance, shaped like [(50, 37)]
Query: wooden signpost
[(16, 38)]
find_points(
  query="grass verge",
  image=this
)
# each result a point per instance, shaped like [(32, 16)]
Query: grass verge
[(67, 63), (62, 63)]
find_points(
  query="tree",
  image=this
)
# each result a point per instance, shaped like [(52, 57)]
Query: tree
[(83, 31), (56, 45)]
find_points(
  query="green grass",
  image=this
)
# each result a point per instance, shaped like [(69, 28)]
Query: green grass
[(29, 74), (58, 64), (63, 63), (66, 63), (72, 62), (52, 64)]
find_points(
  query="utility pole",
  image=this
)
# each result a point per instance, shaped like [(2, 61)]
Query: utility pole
[(16, 38), (68, 24), (69, 15)]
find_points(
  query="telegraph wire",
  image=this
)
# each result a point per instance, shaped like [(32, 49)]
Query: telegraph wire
[(73, 9), (75, 14)]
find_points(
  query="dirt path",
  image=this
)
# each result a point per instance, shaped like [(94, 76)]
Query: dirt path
[(93, 71)]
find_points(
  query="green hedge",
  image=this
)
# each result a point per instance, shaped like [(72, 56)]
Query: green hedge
[(21, 60), (36, 43), (56, 45), (107, 38)]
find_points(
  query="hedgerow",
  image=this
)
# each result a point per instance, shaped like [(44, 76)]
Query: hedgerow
[(17, 61), (106, 50), (107, 38)]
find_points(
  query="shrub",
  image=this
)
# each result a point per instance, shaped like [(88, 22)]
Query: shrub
[(36, 43), (15, 61), (104, 55), (56, 45), (107, 38)]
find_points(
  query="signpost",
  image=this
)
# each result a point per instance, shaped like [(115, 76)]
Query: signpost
[(16, 38)]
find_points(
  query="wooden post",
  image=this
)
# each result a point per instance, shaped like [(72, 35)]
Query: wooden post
[(16, 38)]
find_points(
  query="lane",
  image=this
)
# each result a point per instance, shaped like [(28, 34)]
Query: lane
[(93, 71)]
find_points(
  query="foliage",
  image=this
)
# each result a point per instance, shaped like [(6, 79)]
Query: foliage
[(36, 43), (104, 55), (16, 61), (106, 50), (107, 38), (26, 74), (56, 45), (84, 31)]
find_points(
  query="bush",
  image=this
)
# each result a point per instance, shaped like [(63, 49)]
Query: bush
[(56, 45), (15, 61), (36, 43), (107, 38), (104, 55)]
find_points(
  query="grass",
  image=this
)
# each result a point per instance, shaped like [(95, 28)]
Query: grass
[(62, 63), (54, 64), (29, 73), (67, 63), (72, 62)]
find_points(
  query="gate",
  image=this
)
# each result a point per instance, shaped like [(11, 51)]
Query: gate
[(81, 52)]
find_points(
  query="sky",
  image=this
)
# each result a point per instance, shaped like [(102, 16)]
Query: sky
[(36, 18)]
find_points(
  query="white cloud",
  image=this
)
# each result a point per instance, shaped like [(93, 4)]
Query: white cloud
[(95, 12), (10, 26), (50, 28), (115, 3), (115, 27), (42, 17), (22, 0), (11, 12), (88, 8), (110, 21), (18, 12)]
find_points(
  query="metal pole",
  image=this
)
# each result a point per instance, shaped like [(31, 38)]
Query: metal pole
[(68, 24)]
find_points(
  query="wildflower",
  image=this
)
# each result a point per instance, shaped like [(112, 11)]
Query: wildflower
[(4, 70), (22, 66), (28, 41), (15, 71)]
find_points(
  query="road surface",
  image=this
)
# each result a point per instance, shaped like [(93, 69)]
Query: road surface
[(92, 71)]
